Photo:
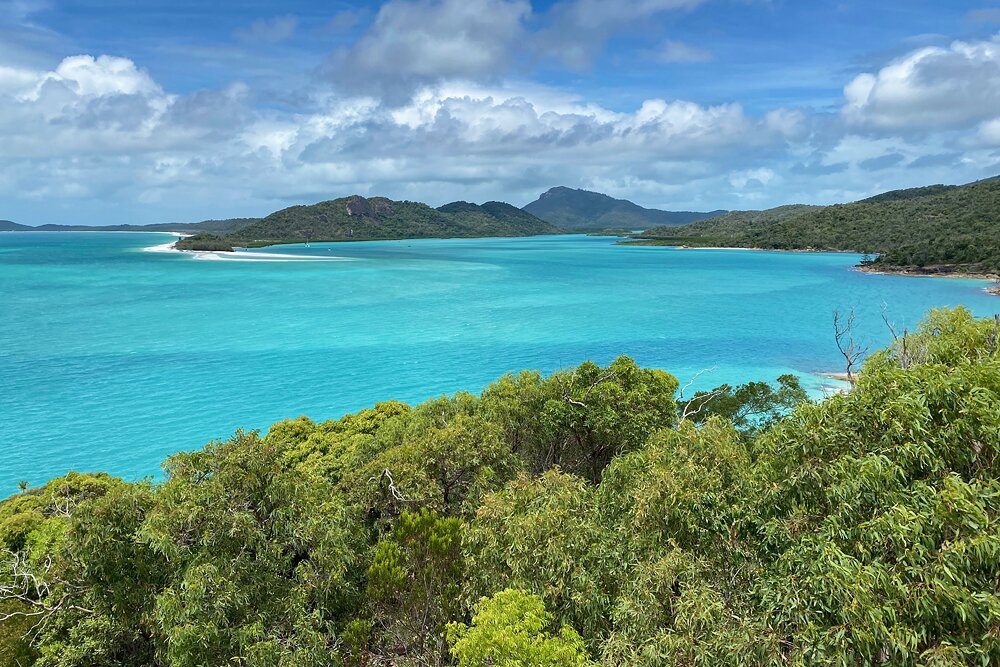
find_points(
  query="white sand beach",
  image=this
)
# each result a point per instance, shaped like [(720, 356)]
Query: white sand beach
[(240, 255)]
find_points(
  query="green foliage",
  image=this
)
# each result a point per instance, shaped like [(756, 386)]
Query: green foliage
[(15, 647), (580, 420), (682, 565), (880, 507), (539, 534), (260, 558), (440, 461), (357, 218), (934, 229), (203, 241), (749, 407), (548, 521), (414, 585), (512, 628), (208, 226)]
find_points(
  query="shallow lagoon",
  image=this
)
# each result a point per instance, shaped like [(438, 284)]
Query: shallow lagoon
[(112, 358)]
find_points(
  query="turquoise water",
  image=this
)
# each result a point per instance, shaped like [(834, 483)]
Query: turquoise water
[(112, 358)]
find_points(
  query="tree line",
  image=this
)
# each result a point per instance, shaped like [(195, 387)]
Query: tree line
[(934, 229)]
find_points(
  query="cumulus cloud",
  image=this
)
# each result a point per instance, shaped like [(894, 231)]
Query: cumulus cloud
[(100, 128), (105, 75), (930, 88), (426, 108), (413, 43), (479, 123), (104, 104)]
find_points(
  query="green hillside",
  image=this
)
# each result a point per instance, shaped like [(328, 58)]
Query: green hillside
[(938, 229), (584, 519), (590, 211), (206, 226), (359, 218)]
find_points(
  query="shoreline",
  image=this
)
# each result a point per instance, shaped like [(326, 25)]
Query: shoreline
[(165, 247), (959, 275), (652, 243), (237, 256), (993, 290)]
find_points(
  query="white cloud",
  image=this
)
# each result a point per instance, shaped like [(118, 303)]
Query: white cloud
[(101, 129), (989, 132), (930, 88), (99, 136), (16, 80), (416, 42), (80, 76), (105, 75)]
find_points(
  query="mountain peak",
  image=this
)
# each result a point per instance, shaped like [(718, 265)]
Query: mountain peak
[(571, 208)]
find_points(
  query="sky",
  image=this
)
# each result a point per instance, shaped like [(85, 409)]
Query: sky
[(115, 111)]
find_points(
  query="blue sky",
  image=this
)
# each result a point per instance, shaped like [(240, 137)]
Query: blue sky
[(141, 112)]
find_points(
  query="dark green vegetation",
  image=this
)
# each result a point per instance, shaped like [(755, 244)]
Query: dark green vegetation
[(206, 226), (211, 242), (580, 519), (937, 229), (590, 211), (347, 219), (357, 218)]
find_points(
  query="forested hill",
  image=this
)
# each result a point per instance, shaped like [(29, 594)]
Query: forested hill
[(206, 226), (934, 229), (591, 211), (586, 519), (359, 218)]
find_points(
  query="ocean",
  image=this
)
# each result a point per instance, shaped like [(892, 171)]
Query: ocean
[(113, 357)]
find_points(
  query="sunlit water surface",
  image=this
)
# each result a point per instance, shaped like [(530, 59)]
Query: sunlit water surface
[(112, 357)]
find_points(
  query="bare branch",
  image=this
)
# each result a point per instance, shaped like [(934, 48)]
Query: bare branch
[(395, 492), (35, 591), (572, 383), (680, 394), (701, 401), (888, 324), (850, 349)]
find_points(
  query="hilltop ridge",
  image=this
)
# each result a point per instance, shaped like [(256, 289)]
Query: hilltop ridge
[(585, 210), (937, 229), (357, 218)]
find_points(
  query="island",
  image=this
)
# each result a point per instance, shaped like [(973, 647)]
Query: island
[(358, 218), (936, 230)]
